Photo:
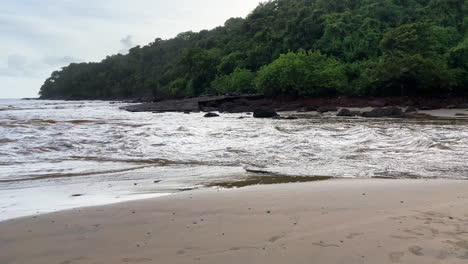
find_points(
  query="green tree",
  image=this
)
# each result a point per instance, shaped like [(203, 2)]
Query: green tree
[(415, 38), (302, 74), (240, 81), (398, 47)]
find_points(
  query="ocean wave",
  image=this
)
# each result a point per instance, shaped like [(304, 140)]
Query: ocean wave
[(66, 175), (311, 145)]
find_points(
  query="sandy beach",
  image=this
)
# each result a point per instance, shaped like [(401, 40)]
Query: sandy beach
[(336, 221)]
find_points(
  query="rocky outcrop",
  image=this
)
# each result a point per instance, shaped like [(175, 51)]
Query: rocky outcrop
[(348, 113), (307, 109), (247, 103), (391, 112), (211, 115), (428, 107), (411, 109), (461, 106), (196, 104), (265, 113), (325, 109), (285, 117)]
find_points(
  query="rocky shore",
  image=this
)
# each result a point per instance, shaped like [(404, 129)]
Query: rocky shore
[(262, 107)]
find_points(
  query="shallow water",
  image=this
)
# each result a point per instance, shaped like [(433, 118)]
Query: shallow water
[(52, 150)]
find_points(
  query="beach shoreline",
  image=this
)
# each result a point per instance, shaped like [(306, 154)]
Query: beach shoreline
[(335, 221)]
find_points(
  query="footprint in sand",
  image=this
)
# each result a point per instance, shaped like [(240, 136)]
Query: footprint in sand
[(325, 245), (396, 257), (464, 256), (136, 260), (275, 238), (353, 235), (416, 250), (404, 237), (413, 232), (71, 261)]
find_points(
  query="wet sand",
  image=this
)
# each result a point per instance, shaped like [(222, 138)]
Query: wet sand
[(336, 221)]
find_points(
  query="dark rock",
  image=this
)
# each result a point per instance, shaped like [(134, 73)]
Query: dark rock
[(211, 115), (192, 104), (307, 109), (462, 106), (265, 113), (257, 171), (391, 111), (234, 108), (411, 109), (187, 112), (428, 107), (325, 109), (285, 117), (347, 112), (311, 108)]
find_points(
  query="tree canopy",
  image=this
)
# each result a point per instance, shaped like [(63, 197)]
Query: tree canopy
[(293, 47)]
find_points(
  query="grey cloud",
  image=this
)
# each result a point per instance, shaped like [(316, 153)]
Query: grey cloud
[(127, 44), (16, 65), (16, 62), (60, 61), (20, 65)]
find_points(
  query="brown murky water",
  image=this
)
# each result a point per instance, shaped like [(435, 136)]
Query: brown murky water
[(56, 154)]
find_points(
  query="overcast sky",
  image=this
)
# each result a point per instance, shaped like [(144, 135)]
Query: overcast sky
[(40, 36)]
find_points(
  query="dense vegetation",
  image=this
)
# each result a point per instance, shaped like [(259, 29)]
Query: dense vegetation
[(294, 48)]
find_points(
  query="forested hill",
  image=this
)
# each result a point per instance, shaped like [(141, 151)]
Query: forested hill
[(293, 48)]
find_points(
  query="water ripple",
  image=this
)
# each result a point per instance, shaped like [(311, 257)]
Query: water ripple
[(98, 132)]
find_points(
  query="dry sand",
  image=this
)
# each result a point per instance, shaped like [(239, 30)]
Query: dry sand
[(336, 221)]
